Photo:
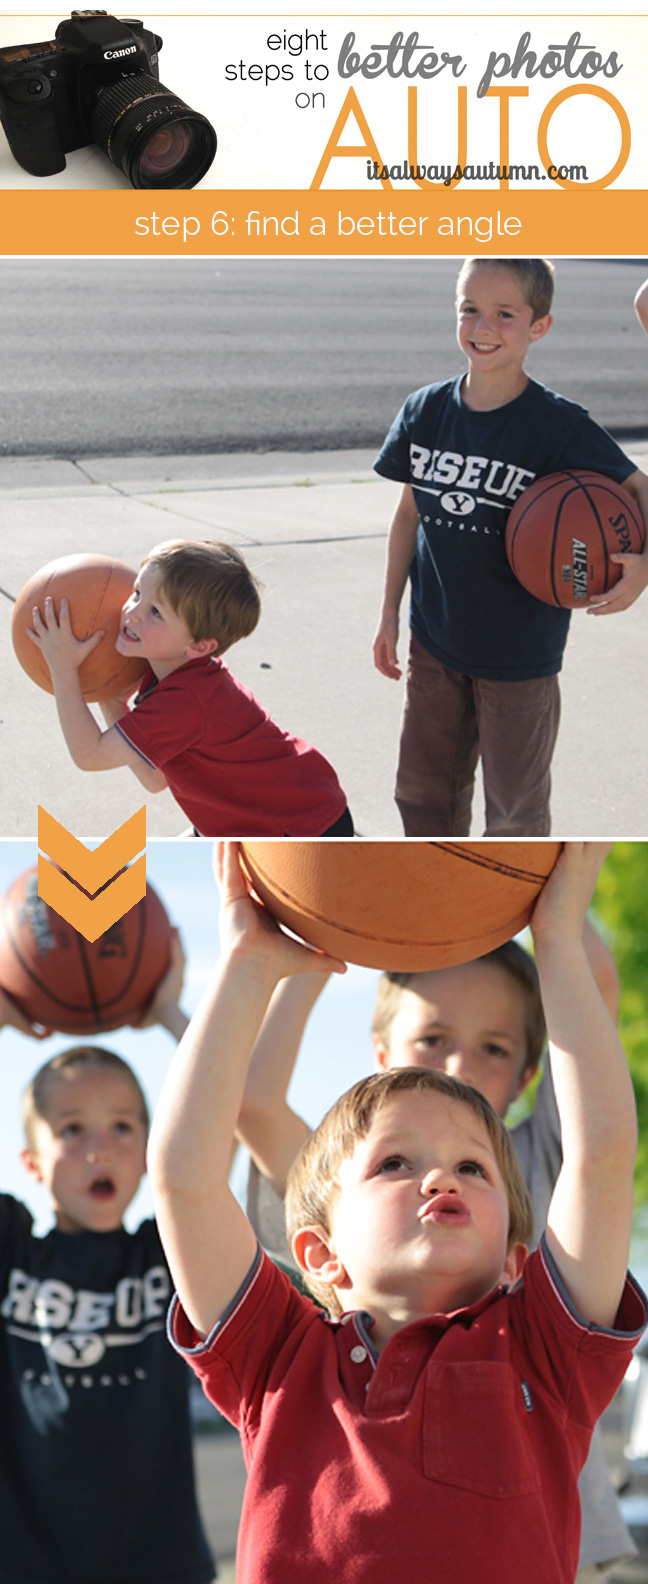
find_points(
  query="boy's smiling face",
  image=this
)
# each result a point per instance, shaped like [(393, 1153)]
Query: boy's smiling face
[(151, 628), (468, 1022), (419, 1224), (495, 324), (90, 1148)]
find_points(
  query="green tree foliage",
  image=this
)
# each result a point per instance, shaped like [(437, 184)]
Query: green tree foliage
[(621, 912)]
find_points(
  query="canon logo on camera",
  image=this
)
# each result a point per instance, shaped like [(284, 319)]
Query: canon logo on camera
[(129, 49)]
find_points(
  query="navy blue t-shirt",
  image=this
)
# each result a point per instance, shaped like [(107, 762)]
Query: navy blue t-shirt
[(467, 469), (96, 1470)]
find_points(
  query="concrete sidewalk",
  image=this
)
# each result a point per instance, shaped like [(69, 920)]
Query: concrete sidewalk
[(313, 528)]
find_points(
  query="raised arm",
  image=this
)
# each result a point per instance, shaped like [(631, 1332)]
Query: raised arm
[(267, 1126), (164, 1007), (209, 1242), (401, 545), (590, 1216), (604, 968)]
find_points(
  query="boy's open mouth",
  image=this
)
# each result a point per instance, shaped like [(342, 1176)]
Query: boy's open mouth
[(102, 1188), (127, 632)]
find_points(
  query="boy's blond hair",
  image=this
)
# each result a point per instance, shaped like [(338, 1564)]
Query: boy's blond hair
[(511, 959), (313, 1181), (209, 586), (78, 1058), (535, 278)]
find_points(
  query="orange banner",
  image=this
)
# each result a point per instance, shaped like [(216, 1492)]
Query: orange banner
[(256, 222)]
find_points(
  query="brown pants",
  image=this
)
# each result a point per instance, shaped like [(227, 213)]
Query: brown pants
[(449, 722)]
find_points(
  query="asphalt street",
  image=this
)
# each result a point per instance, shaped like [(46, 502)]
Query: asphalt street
[(117, 357)]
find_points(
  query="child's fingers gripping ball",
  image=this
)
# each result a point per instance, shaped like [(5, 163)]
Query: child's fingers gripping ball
[(247, 923), (169, 989), (95, 587), (563, 902), (52, 632), (563, 531)]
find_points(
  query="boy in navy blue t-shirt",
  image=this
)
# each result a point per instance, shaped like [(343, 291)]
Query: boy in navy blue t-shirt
[(484, 653), (96, 1471)]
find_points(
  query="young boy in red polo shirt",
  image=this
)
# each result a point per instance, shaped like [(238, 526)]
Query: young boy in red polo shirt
[(192, 726), (443, 1423)]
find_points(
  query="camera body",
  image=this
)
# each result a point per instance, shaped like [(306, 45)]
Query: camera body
[(48, 92), (97, 81)]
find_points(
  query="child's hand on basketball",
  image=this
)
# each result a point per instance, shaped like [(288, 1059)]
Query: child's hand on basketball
[(11, 1015), (633, 581), (163, 1007), (561, 909), (385, 648), (247, 929), (62, 651)]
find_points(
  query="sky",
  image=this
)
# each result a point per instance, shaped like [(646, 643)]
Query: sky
[(335, 1052)]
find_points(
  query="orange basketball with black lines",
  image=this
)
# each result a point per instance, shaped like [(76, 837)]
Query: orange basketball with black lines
[(75, 986), (562, 531), (96, 587), (397, 905)]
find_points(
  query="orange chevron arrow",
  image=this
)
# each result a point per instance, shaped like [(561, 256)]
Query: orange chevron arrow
[(91, 916), (91, 869), (91, 890)]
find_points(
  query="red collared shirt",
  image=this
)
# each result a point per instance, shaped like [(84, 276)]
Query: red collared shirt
[(451, 1457), (228, 765)]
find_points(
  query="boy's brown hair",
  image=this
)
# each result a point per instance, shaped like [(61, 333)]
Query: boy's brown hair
[(535, 278), (313, 1178), (77, 1058), (210, 586), (512, 959)]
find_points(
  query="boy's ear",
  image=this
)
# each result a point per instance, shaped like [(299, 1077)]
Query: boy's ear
[(32, 1164), (525, 1077), (316, 1257), (514, 1264), (381, 1053), (202, 646), (540, 327)]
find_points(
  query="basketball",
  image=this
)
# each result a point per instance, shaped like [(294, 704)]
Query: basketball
[(96, 587), (562, 531), (401, 906), (75, 986)]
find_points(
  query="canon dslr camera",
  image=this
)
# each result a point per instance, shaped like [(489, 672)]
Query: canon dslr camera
[(97, 82)]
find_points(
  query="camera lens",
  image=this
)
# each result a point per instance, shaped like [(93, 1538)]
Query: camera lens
[(152, 135), (166, 152)]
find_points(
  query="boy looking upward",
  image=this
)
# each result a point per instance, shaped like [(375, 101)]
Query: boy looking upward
[(483, 1023), (193, 727), (449, 1417), (484, 653), (480, 1021)]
